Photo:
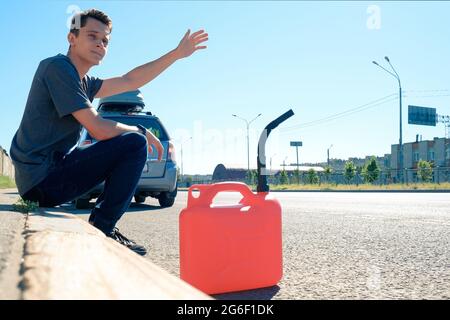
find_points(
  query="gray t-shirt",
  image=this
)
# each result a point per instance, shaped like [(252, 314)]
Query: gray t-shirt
[(48, 130)]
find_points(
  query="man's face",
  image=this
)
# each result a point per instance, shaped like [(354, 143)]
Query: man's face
[(91, 45)]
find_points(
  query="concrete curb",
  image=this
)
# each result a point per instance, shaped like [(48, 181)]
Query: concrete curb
[(66, 258)]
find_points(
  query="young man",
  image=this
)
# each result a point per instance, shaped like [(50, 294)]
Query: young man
[(49, 168)]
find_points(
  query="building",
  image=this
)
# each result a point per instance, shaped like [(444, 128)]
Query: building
[(221, 173), (436, 151)]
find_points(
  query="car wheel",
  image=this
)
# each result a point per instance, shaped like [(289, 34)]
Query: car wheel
[(139, 199), (166, 200), (82, 203)]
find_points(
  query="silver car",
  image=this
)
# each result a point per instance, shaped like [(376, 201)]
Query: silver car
[(158, 179)]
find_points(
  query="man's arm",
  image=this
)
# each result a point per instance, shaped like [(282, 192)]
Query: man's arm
[(100, 128), (137, 77), (145, 73), (104, 129)]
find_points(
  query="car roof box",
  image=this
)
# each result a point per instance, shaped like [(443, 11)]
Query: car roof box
[(126, 101)]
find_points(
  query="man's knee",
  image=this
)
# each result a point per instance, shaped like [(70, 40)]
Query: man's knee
[(135, 139)]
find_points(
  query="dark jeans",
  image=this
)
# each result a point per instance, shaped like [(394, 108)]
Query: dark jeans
[(118, 161)]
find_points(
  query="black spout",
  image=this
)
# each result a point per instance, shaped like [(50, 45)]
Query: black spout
[(262, 175)]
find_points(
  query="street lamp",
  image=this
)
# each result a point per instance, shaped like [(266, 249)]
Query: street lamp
[(284, 163), (271, 160), (328, 155), (248, 142), (396, 76)]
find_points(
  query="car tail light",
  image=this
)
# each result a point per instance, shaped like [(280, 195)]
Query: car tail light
[(171, 154), (86, 142)]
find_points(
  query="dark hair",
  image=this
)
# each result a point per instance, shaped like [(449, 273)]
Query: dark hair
[(79, 20)]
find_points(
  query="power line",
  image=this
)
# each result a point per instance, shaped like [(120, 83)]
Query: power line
[(390, 98), (372, 104), (351, 113)]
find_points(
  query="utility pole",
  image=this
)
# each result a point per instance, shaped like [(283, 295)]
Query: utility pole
[(396, 76), (284, 163), (297, 144), (271, 160), (328, 155), (248, 141)]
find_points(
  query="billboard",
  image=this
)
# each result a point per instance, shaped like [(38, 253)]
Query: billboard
[(296, 144), (422, 116)]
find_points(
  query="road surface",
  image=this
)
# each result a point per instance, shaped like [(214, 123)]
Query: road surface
[(335, 245)]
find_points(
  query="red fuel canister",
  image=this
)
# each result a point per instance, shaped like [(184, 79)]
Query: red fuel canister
[(230, 248), (233, 247)]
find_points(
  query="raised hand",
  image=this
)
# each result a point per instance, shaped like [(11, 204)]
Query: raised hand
[(190, 43)]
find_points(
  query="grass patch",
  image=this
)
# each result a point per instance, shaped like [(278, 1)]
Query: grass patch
[(21, 205), (6, 182), (25, 206)]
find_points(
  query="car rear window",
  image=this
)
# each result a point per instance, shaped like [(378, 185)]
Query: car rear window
[(119, 107), (150, 123)]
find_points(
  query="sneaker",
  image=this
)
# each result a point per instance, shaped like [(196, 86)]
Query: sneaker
[(130, 244)]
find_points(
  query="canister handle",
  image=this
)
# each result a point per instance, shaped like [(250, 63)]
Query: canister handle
[(193, 201), (208, 192)]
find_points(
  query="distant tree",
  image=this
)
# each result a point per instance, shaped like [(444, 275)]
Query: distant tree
[(349, 171), (297, 176), (371, 171), (251, 177), (188, 180), (359, 170), (284, 177), (179, 177), (425, 171), (312, 177), (248, 177), (328, 170), (254, 173)]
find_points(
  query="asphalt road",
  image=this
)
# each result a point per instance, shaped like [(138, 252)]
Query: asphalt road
[(335, 245)]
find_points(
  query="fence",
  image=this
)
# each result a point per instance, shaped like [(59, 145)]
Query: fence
[(6, 166), (438, 175)]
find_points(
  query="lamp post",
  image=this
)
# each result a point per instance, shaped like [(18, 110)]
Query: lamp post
[(328, 155), (248, 142), (271, 160), (396, 76), (284, 163)]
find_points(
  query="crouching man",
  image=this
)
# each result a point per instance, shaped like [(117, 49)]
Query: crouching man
[(49, 168)]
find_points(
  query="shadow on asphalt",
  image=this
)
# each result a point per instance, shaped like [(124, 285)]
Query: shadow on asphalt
[(134, 207), (6, 207), (257, 294), (16, 193)]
